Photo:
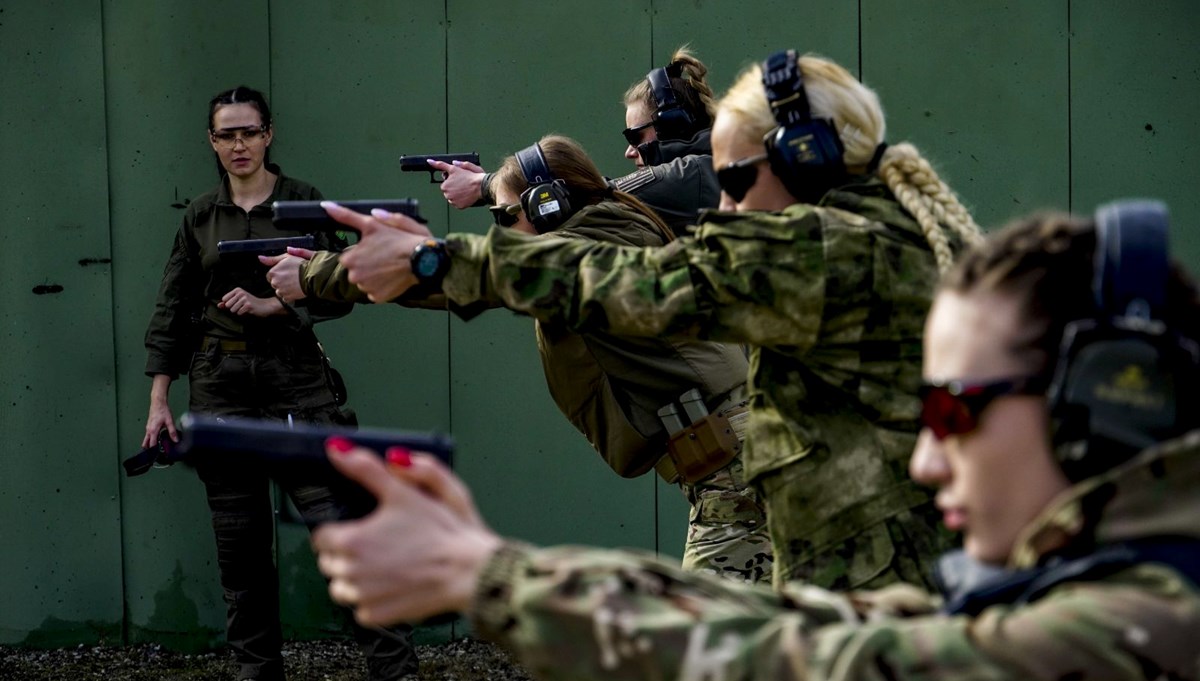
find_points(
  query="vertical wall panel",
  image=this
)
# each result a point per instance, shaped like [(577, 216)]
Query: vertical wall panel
[(1135, 75), (727, 36), (58, 482), (829, 28), (165, 61), (355, 85), (981, 90), (109, 145), (517, 71)]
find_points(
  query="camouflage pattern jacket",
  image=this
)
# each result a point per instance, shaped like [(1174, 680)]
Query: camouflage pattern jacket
[(833, 298), (575, 613), (608, 387)]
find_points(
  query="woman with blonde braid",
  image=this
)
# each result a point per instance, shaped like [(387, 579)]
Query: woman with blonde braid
[(827, 268)]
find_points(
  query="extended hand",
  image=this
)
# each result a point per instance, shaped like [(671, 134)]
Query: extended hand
[(379, 264), (239, 302), (418, 554), (159, 418), (284, 274), (462, 183)]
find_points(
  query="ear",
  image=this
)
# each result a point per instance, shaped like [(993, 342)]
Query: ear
[(269, 136)]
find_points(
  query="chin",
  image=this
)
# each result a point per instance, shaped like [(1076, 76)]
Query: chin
[(984, 552)]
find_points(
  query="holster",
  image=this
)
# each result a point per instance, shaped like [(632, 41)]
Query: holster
[(703, 448)]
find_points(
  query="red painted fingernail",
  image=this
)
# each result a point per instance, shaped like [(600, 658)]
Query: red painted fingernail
[(399, 456), (340, 444)]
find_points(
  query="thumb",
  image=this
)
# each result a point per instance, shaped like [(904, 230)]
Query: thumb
[(271, 260), (365, 468), (301, 252), (471, 167)]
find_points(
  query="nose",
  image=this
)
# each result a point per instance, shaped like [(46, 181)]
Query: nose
[(631, 152), (928, 465), (238, 139), (727, 203)]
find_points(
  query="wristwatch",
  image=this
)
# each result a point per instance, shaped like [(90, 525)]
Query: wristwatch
[(430, 262)]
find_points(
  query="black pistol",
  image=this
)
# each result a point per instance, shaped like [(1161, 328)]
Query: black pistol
[(416, 163), (309, 216), (247, 248), (289, 453)]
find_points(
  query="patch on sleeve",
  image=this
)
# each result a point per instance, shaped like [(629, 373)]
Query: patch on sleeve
[(635, 180)]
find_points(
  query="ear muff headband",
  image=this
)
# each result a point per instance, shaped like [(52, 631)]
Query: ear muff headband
[(1117, 383), (671, 120), (547, 201), (805, 152)]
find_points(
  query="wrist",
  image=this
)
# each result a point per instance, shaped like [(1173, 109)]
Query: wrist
[(430, 262), (490, 606)]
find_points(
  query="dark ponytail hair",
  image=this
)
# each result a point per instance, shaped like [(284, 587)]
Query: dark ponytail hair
[(240, 95), (569, 162)]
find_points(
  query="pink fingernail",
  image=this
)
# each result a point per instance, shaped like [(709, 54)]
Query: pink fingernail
[(339, 444), (380, 213), (399, 456)]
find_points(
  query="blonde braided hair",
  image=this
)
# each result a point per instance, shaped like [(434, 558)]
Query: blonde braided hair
[(857, 115), (919, 189)]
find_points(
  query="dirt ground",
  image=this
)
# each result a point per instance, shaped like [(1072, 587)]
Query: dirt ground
[(462, 660)]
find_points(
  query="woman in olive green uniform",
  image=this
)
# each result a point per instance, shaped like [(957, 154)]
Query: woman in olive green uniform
[(247, 354)]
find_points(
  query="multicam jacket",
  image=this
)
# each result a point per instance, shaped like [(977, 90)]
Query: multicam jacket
[(609, 387), (576, 613), (833, 300)]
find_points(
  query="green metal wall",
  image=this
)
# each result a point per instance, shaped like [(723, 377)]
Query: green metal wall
[(1021, 105)]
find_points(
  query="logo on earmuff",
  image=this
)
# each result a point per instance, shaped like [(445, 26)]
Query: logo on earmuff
[(1130, 387), (803, 150)]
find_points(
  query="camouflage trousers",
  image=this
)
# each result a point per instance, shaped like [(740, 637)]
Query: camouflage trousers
[(727, 527)]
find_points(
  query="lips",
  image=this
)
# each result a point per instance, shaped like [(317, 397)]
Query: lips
[(955, 519)]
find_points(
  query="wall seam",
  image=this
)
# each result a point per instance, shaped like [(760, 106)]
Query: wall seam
[(1070, 120), (657, 512), (112, 284), (446, 110), (861, 75)]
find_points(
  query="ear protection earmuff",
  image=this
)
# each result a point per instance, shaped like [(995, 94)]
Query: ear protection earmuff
[(671, 120), (804, 152), (1118, 383), (547, 201)]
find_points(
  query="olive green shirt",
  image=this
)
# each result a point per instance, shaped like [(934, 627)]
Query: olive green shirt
[(196, 277)]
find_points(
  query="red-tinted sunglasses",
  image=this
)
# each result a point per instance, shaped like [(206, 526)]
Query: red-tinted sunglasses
[(953, 407)]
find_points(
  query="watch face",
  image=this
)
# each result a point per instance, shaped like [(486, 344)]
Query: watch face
[(426, 264), (429, 261)]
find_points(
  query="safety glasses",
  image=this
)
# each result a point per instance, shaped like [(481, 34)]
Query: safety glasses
[(506, 216), (738, 177), (634, 135), (954, 407)]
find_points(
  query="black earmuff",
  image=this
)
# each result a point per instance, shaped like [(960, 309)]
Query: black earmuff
[(671, 120), (547, 201), (1120, 374), (805, 152)]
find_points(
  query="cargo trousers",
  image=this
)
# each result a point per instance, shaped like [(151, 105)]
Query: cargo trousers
[(272, 382)]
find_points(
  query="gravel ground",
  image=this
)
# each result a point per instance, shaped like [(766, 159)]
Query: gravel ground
[(462, 660)]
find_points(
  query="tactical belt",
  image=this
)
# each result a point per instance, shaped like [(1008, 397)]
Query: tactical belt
[(706, 446), (225, 344)]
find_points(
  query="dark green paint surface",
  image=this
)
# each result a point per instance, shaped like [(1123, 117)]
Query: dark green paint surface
[(1020, 105)]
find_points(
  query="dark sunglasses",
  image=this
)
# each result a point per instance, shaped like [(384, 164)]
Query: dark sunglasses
[(954, 407), (506, 216), (634, 135), (738, 177)]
